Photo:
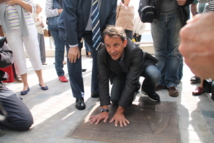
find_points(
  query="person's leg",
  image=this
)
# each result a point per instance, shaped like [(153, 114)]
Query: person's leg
[(94, 78), (200, 89), (39, 41), (117, 89), (32, 49), (59, 52), (15, 42), (18, 115), (39, 75), (138, 38), (152, 77), (87, 48), (159, 35), (75, 76), (25, 83), (129, 34), (42, 48), (174, 59)]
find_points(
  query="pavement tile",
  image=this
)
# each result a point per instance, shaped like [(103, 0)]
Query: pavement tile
[(55, 115)]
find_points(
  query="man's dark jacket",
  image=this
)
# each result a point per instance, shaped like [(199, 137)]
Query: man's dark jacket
[(76, 14), (135, 61), (6, 58)]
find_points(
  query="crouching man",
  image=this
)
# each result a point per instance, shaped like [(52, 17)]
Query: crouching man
[(122, 62), (14, 114)]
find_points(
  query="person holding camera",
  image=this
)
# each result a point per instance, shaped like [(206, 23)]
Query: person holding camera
[(14, 114), (171, 16)]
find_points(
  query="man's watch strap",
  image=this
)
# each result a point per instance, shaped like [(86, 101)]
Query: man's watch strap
[(104, 110)]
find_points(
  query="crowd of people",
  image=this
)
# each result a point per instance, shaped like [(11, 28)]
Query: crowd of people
[(116, 58)]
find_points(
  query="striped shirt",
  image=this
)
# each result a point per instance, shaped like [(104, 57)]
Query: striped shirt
[(209, 7), (13, 16)]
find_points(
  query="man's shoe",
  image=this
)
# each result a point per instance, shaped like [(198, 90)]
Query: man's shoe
[(173, 92), (195, 80), (63, 79), (159, 87), (25, 92), (198, 91), (94, 95), (80, 105), (154, 97)]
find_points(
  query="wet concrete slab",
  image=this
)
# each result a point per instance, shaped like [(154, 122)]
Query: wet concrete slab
[(149, 123)]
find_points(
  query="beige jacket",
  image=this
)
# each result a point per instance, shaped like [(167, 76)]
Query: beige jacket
[(38, 21), (125, 17)]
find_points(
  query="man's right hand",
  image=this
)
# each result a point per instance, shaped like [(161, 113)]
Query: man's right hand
[(73, 54), (97, 118)]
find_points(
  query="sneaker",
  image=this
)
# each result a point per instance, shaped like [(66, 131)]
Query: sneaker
[(159, 87), (154, 97), (173, 92), (63, 79)]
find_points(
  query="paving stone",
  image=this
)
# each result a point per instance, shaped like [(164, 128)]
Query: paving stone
[(55, 116), (149, 123)]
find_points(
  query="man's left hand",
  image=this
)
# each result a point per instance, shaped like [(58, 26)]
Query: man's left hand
[(120, 119), (181, 2)]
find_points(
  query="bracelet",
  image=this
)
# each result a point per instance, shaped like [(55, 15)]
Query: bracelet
[(104, 110)]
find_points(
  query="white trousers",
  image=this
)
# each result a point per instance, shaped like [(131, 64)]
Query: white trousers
[(17, 44)]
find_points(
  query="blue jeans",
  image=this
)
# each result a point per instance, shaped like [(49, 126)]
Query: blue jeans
[(152, 76), (165, 34), (59, 52)]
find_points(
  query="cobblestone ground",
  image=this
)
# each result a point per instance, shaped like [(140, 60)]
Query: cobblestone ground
[(55, 116)]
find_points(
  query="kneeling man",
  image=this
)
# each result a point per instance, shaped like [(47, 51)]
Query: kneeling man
[(122, 62)]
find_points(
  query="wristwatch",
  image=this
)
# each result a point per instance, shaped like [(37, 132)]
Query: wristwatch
[(104, 110)]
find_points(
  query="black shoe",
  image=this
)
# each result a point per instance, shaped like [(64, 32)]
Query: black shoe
[(154, 97), (195, 80), (94, 95), (80, 105)]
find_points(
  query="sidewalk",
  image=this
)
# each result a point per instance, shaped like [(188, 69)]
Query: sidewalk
[(55, 115)]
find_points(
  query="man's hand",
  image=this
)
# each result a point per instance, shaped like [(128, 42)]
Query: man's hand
[(97, 118), (73, 54), (197, 45), (119, 117), (181, 2)]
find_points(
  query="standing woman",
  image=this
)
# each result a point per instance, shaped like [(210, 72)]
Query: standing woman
[(125, 17), (18, 25)]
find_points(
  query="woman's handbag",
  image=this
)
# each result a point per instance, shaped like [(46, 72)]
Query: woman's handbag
[(46, 33), (147, 10)]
